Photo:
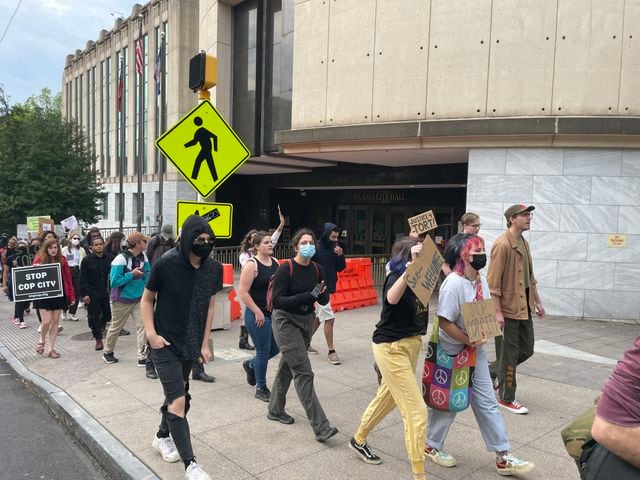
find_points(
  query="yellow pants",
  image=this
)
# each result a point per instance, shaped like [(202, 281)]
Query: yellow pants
[(397, 362)]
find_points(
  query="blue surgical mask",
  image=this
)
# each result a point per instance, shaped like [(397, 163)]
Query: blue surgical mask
[(307, 251)]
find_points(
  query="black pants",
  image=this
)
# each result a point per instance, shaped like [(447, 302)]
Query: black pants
[(98, 314), (75, 278)]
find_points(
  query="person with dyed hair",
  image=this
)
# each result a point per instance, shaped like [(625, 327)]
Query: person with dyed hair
[(466, 284)]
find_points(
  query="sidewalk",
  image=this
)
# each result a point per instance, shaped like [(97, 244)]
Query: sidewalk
[(234, 440)]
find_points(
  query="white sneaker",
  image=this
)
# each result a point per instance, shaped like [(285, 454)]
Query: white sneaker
[(166, 448), (73, 318), (64, 316), (40, 329), (195, 472)]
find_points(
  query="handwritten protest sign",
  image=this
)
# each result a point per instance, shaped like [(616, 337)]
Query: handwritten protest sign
[(45, 225), (423, 223), (69, 223), (480, 320), (424, 271), (33, 223)]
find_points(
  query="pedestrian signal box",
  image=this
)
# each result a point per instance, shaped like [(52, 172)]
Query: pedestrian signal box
[(203, 72)]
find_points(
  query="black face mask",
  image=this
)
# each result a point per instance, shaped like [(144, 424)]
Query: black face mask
[(479, 261), (202, 250)]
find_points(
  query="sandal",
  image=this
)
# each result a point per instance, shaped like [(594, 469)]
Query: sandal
[(53, 354), (40, 348)]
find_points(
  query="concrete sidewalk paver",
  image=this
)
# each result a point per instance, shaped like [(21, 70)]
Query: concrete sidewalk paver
[(233, 439)]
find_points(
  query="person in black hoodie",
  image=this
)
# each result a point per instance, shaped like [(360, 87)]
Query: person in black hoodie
[(330, 256), (183, 283), (94, 288)]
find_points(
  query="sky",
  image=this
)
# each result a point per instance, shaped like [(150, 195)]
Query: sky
[(43, 33)]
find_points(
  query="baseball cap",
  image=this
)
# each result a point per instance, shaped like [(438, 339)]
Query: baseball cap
[(516, 209), (135, 237), (167, 231)]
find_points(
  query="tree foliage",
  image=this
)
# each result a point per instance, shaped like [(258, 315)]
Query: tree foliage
[(45, 164)]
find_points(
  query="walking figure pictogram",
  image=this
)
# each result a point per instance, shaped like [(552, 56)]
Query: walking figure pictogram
[(204, 137)]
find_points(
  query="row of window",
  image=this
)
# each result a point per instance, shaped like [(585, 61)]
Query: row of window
[(147, 215), (85, 92)]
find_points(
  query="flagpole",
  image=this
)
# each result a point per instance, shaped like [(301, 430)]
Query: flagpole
[(140, 121), (120, 170), (161, 160)]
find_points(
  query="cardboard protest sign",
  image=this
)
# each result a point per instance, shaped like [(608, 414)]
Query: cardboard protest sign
[(69, 223), (45, 225), (36, 282), (423, 223), (424, 271), (480, 320)]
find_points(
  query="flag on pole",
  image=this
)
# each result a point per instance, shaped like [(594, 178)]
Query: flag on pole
[(157, 71), (139, 54), (121, 84)]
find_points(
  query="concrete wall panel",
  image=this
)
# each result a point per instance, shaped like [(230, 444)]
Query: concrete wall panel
[(350, 76), (587, 64), (400, 61), (521, 58), (629, 78), (311, 22), (458, 58)]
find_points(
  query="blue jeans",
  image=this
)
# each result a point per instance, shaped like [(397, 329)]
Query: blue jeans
[(266, 346), (485, 409)]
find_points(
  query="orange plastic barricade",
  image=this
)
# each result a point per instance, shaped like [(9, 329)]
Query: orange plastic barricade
[(354, 288)]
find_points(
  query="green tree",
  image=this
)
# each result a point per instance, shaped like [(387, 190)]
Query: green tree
[(45, 164)]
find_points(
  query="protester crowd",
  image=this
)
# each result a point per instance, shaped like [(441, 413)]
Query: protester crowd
[(167, 284)]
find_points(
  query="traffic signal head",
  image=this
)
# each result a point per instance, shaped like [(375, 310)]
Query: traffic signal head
[(203, 72)]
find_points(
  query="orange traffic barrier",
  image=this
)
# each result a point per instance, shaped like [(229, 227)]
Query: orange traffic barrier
[(354, 288)]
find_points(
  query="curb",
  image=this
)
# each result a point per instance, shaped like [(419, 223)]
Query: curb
[(116, 460)]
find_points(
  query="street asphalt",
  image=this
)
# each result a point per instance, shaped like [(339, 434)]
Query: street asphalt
[(118, 405)]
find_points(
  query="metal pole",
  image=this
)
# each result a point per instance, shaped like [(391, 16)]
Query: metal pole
[(161, 159), (140, 133), (121, 169)]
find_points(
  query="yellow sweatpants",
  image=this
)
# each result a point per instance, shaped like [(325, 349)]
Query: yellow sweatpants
[(397, 362)]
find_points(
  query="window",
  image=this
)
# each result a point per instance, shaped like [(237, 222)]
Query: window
[(119, 206), (92, 110), (104, 208), (122, 117), (103, 109), (145, 101), (134, 208), (160, 100), (106, 109), (156, 206), (80, 91)]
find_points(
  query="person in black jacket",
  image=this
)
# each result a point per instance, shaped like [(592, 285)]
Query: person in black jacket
[(94, 288), (297, 285), (330, 256)]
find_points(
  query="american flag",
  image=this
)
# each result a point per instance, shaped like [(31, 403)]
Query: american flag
[(139, 54), (157, 72), (121, 84)]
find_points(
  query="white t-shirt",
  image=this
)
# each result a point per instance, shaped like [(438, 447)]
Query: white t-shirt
[(454, 291)]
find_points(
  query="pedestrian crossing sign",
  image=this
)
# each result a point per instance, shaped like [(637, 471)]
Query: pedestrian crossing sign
[(204, 148), (218, 215)]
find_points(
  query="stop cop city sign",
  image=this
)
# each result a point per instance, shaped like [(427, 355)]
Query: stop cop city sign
[(203, 148), (36, 282)]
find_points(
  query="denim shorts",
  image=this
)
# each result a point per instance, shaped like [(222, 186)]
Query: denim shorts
[(172, 371)]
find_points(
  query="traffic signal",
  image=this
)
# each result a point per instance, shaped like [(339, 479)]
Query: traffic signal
[(203, 72)]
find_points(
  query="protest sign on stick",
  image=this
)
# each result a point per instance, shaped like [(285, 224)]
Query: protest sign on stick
[(423, 223), (424, 271)]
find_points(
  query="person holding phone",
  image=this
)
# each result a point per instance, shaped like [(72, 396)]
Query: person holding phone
[(298, 284), (128, 277)]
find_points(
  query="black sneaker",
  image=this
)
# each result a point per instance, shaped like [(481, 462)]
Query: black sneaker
[(109, 358), (142, 362), (364, 452), (263, 394), (280, 417), (251, 374), (124, 333), (150, 371), (326, 435)]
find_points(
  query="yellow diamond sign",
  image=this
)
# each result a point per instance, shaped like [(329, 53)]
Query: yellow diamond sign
[(204, 148), (218, 215)]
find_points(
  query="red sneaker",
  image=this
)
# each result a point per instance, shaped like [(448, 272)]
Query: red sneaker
[(513, 407)]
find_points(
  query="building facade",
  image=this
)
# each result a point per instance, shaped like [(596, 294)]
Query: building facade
[(365, 112), (111, 120)]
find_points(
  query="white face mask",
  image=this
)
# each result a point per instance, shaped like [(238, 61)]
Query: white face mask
[(75, 242)]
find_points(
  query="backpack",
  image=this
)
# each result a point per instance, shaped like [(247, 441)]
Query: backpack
[(270, 285)]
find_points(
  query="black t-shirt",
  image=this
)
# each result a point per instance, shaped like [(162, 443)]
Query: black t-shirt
[(405, 319), (258, 290), (292, 293), (172, 278)]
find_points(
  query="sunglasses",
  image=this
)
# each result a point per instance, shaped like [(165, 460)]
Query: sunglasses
[(202, 241)]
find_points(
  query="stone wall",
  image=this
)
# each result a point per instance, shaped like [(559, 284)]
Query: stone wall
[(581, 197)]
